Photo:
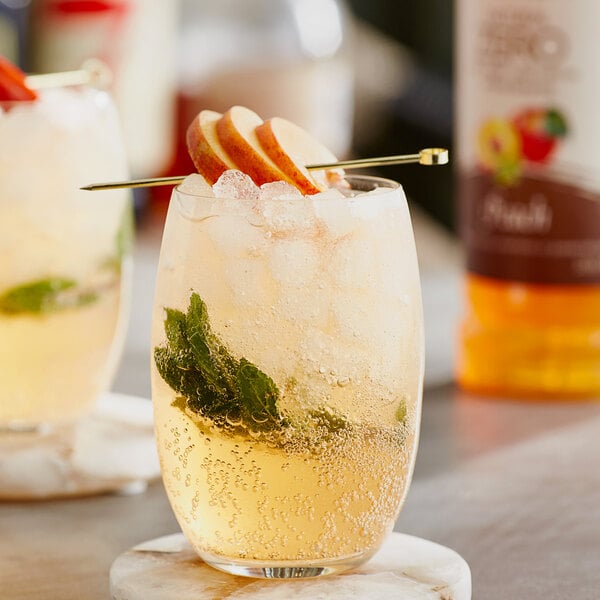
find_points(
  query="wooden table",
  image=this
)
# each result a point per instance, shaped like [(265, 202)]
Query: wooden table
[(513, 487)]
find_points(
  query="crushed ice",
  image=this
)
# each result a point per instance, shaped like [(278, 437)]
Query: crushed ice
[(279, 190), (193, 187), (235, 184), (196, 185)]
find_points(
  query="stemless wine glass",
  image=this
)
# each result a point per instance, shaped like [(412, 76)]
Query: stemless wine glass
[(64, 265), (287, 376)]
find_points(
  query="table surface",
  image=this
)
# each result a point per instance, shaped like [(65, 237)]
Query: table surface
[(513, 487)]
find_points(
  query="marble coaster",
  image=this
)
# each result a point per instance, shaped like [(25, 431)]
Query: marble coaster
[(405, 567), (110, 450)]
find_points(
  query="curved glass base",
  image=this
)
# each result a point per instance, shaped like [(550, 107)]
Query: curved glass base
[(291, 569)]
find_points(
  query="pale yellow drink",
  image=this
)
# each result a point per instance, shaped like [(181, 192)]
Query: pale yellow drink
[(319, 296), (64, 264)]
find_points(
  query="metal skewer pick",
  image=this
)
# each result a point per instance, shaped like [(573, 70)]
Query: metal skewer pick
[(428, 156), (92, 72)]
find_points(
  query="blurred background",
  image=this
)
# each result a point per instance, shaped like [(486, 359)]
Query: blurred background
[(414, 41), (368, 77)]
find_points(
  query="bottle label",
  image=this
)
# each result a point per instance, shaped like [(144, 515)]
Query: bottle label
[(529, 158)]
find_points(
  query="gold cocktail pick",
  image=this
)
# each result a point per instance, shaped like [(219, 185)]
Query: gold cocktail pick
[(92, 72), (427, 156)]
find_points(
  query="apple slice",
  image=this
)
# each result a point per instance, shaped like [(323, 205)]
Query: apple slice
[(12, 83), (204, 147), (290, 147), (236, 132)]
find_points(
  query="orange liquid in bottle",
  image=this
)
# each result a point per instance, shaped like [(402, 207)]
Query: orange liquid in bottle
[(525, 340)]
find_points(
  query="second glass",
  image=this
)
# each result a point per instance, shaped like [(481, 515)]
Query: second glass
[(64, 256), (287, 377)]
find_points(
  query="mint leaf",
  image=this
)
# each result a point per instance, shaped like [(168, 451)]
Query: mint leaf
[(328, 419), (178, 377), (175, 329), (234, 393), (258, 394), (402, 412), (42, 296), (196, 364), (212, 358), (177, 365)]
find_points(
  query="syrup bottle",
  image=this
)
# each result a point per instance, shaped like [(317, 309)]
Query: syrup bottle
[(529, 196)]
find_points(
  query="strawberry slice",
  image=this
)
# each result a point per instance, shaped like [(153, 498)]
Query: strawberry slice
[(12, 83)]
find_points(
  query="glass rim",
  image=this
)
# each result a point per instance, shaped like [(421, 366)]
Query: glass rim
[(374, 181)]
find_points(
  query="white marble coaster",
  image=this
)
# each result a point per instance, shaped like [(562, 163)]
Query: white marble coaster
[(405, 567), (110, 450)]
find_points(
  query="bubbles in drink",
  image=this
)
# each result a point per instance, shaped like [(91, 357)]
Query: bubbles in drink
[(293, 263)]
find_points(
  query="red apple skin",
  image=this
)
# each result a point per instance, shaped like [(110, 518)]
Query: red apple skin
[(300, 176), (209, 160), (12, 83), (236, 132), (291, 148)]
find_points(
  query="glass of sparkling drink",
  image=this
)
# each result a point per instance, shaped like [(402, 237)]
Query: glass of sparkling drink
[(64, 260), (287, 376)]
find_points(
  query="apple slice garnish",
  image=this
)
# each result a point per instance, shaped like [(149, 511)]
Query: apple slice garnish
[(236, 132), (205, 149), (12, 83), (291, 148)]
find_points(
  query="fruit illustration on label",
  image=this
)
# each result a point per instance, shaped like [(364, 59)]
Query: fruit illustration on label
[(503, 145), (539, 130), (499, 150)]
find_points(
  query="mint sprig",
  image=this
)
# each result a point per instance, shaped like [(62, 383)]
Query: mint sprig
[(44, 296), (194, 362)]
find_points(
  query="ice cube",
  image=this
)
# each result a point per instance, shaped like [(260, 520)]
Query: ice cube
[(279, 190), (294, 263), (303, 309), (377, 323), (290, 217), (332, 208), (235, 184), (354, 262), (190, 201), (234, 236), (333, 357), (357, 317), (249, 282), (196, 185)]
